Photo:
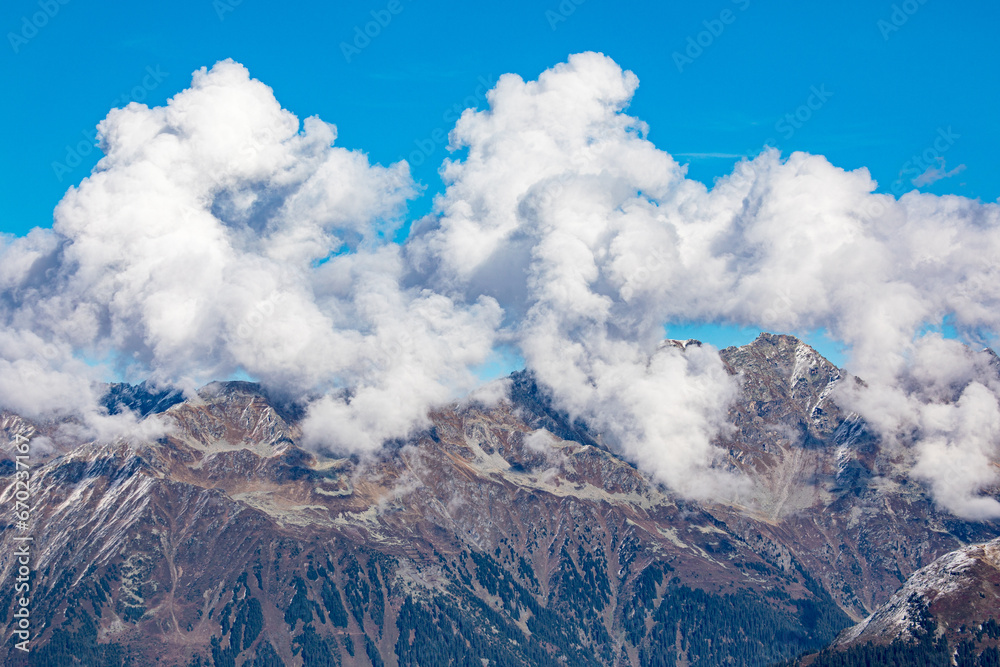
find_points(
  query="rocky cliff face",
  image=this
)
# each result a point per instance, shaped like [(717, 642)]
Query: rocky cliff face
[(504, 534)]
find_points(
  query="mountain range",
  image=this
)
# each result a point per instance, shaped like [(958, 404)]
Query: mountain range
[(504, 533)]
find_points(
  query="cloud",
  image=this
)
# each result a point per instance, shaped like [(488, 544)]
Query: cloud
[(219, 234), (934, 174), (554, 213), (591, 238), (943, 405), (957, 451), (544, 444)]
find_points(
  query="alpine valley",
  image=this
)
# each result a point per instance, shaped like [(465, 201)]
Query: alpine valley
[(503, 534)]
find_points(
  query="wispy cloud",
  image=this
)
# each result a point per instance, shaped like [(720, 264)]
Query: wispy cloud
[(933, 174)]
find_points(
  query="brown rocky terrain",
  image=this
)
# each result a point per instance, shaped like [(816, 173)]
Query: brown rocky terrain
[(945, 614), (503, 533), (959, 593)]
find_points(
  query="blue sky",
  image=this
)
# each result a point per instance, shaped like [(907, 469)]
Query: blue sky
[(865, 83)]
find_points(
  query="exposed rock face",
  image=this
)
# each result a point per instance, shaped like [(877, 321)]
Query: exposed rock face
[(957, 595), (140, 398), (504, 533), (828, 493)]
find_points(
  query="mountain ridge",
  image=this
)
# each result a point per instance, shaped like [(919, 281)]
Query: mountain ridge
[(501, 522)]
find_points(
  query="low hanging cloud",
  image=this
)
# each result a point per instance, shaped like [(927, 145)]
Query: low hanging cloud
[(591, 238), (221, 235)]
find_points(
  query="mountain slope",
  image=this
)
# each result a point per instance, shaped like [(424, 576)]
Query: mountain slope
[(947, 610), (504, 533), (961, 588)]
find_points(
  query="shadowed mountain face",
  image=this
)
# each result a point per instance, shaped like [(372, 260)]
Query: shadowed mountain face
[(503, 535), (140, 399)]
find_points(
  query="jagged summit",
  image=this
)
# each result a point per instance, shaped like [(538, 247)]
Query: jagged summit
[(142, 398), (779, 373), (788, 355), (680, 344), (145, 399), (539, 412), (232, 388)]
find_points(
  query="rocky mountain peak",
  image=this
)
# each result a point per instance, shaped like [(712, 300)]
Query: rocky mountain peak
[(234, 414), (232, 389), (680, 344), (143, 399), (800, 371)]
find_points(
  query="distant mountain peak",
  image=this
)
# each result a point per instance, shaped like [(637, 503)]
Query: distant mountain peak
[(229, 388), (143, 399), (682, 344)]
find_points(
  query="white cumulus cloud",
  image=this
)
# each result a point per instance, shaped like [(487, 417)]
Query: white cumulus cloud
[(220, 235)]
